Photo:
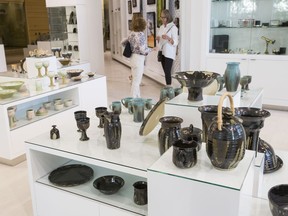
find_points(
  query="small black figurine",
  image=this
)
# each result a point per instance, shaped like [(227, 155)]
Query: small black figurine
[(54, 133)]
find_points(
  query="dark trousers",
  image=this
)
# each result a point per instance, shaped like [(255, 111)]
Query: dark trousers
[(167, 66)]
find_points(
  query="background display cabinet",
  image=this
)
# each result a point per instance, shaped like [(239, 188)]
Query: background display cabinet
[(250, 26), (31, 112)]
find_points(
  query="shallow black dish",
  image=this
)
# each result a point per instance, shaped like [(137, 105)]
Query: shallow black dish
[(109, 184), (71, 175), (278, 200)]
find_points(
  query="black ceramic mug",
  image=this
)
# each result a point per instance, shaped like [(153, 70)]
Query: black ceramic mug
[(140, 193), (184, 153)]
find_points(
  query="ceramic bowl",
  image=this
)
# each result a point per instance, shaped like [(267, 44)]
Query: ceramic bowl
[(278, 200), (47, 105), (12, 85), (109, 184), (57, 100), (196, 78), (41, 111), (7, 93), (58, 106), (195, 81), (76, 78), (64, 62), (74, 72), (68, 103), (90, 74)]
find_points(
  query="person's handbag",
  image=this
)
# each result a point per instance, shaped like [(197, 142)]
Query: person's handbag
[(127, 50), (159, 56)]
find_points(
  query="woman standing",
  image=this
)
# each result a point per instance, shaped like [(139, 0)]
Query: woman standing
[(168, 41), (139, 49)]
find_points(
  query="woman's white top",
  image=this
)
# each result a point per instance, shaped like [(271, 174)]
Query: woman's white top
[(168, 50)]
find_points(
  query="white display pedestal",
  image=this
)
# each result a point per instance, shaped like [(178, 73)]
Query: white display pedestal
[(3, 63), (200, 190), (188, 110), (32, 71)]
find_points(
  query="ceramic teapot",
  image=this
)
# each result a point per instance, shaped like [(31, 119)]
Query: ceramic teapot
[(226, 138)]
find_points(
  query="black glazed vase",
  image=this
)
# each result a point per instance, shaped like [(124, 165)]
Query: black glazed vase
[(169, 132), (112, 130), (226, 138), (54, 133), (253, 120)]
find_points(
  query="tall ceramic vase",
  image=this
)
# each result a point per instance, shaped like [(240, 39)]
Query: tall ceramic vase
[(112, 130), (232, 76)]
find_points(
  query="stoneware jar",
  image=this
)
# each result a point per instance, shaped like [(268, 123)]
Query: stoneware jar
[(226, 138), (192, 133), (184, 153), (169, 132)]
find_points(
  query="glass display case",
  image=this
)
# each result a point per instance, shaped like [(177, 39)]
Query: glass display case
[(249, 27)]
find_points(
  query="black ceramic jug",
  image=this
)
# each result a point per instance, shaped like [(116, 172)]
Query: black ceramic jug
[(226, 138)]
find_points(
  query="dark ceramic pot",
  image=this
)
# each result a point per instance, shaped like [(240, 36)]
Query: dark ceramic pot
[(278, 200), (226, 138), (140, 193), (253, 121), (112, 130), (232, 76), (192, 134), (195, 81), (207, 114), (169, 132), (184, 153)]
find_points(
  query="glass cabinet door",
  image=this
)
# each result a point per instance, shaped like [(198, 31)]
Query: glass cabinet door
[(249, 26)]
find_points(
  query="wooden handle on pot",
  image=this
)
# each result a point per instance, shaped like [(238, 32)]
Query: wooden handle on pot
[(219, 120)]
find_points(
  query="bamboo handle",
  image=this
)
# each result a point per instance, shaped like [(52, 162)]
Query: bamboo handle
[(219, 120)]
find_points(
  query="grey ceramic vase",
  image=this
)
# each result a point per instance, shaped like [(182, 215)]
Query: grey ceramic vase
[(112, 130), (232, 76), (169, 132)]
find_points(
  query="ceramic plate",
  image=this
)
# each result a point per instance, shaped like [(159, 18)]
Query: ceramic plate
[(152, 119), (71, 175), (279, 165)]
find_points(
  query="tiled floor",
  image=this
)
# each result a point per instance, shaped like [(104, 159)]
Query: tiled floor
[(15, 199)]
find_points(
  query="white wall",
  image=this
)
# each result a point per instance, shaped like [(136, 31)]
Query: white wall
[(90, 30)]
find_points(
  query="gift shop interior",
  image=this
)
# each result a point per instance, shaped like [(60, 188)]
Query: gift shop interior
[(74, 140)]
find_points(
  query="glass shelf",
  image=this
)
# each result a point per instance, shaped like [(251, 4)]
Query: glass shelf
[(204, 172), (122, 199)]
